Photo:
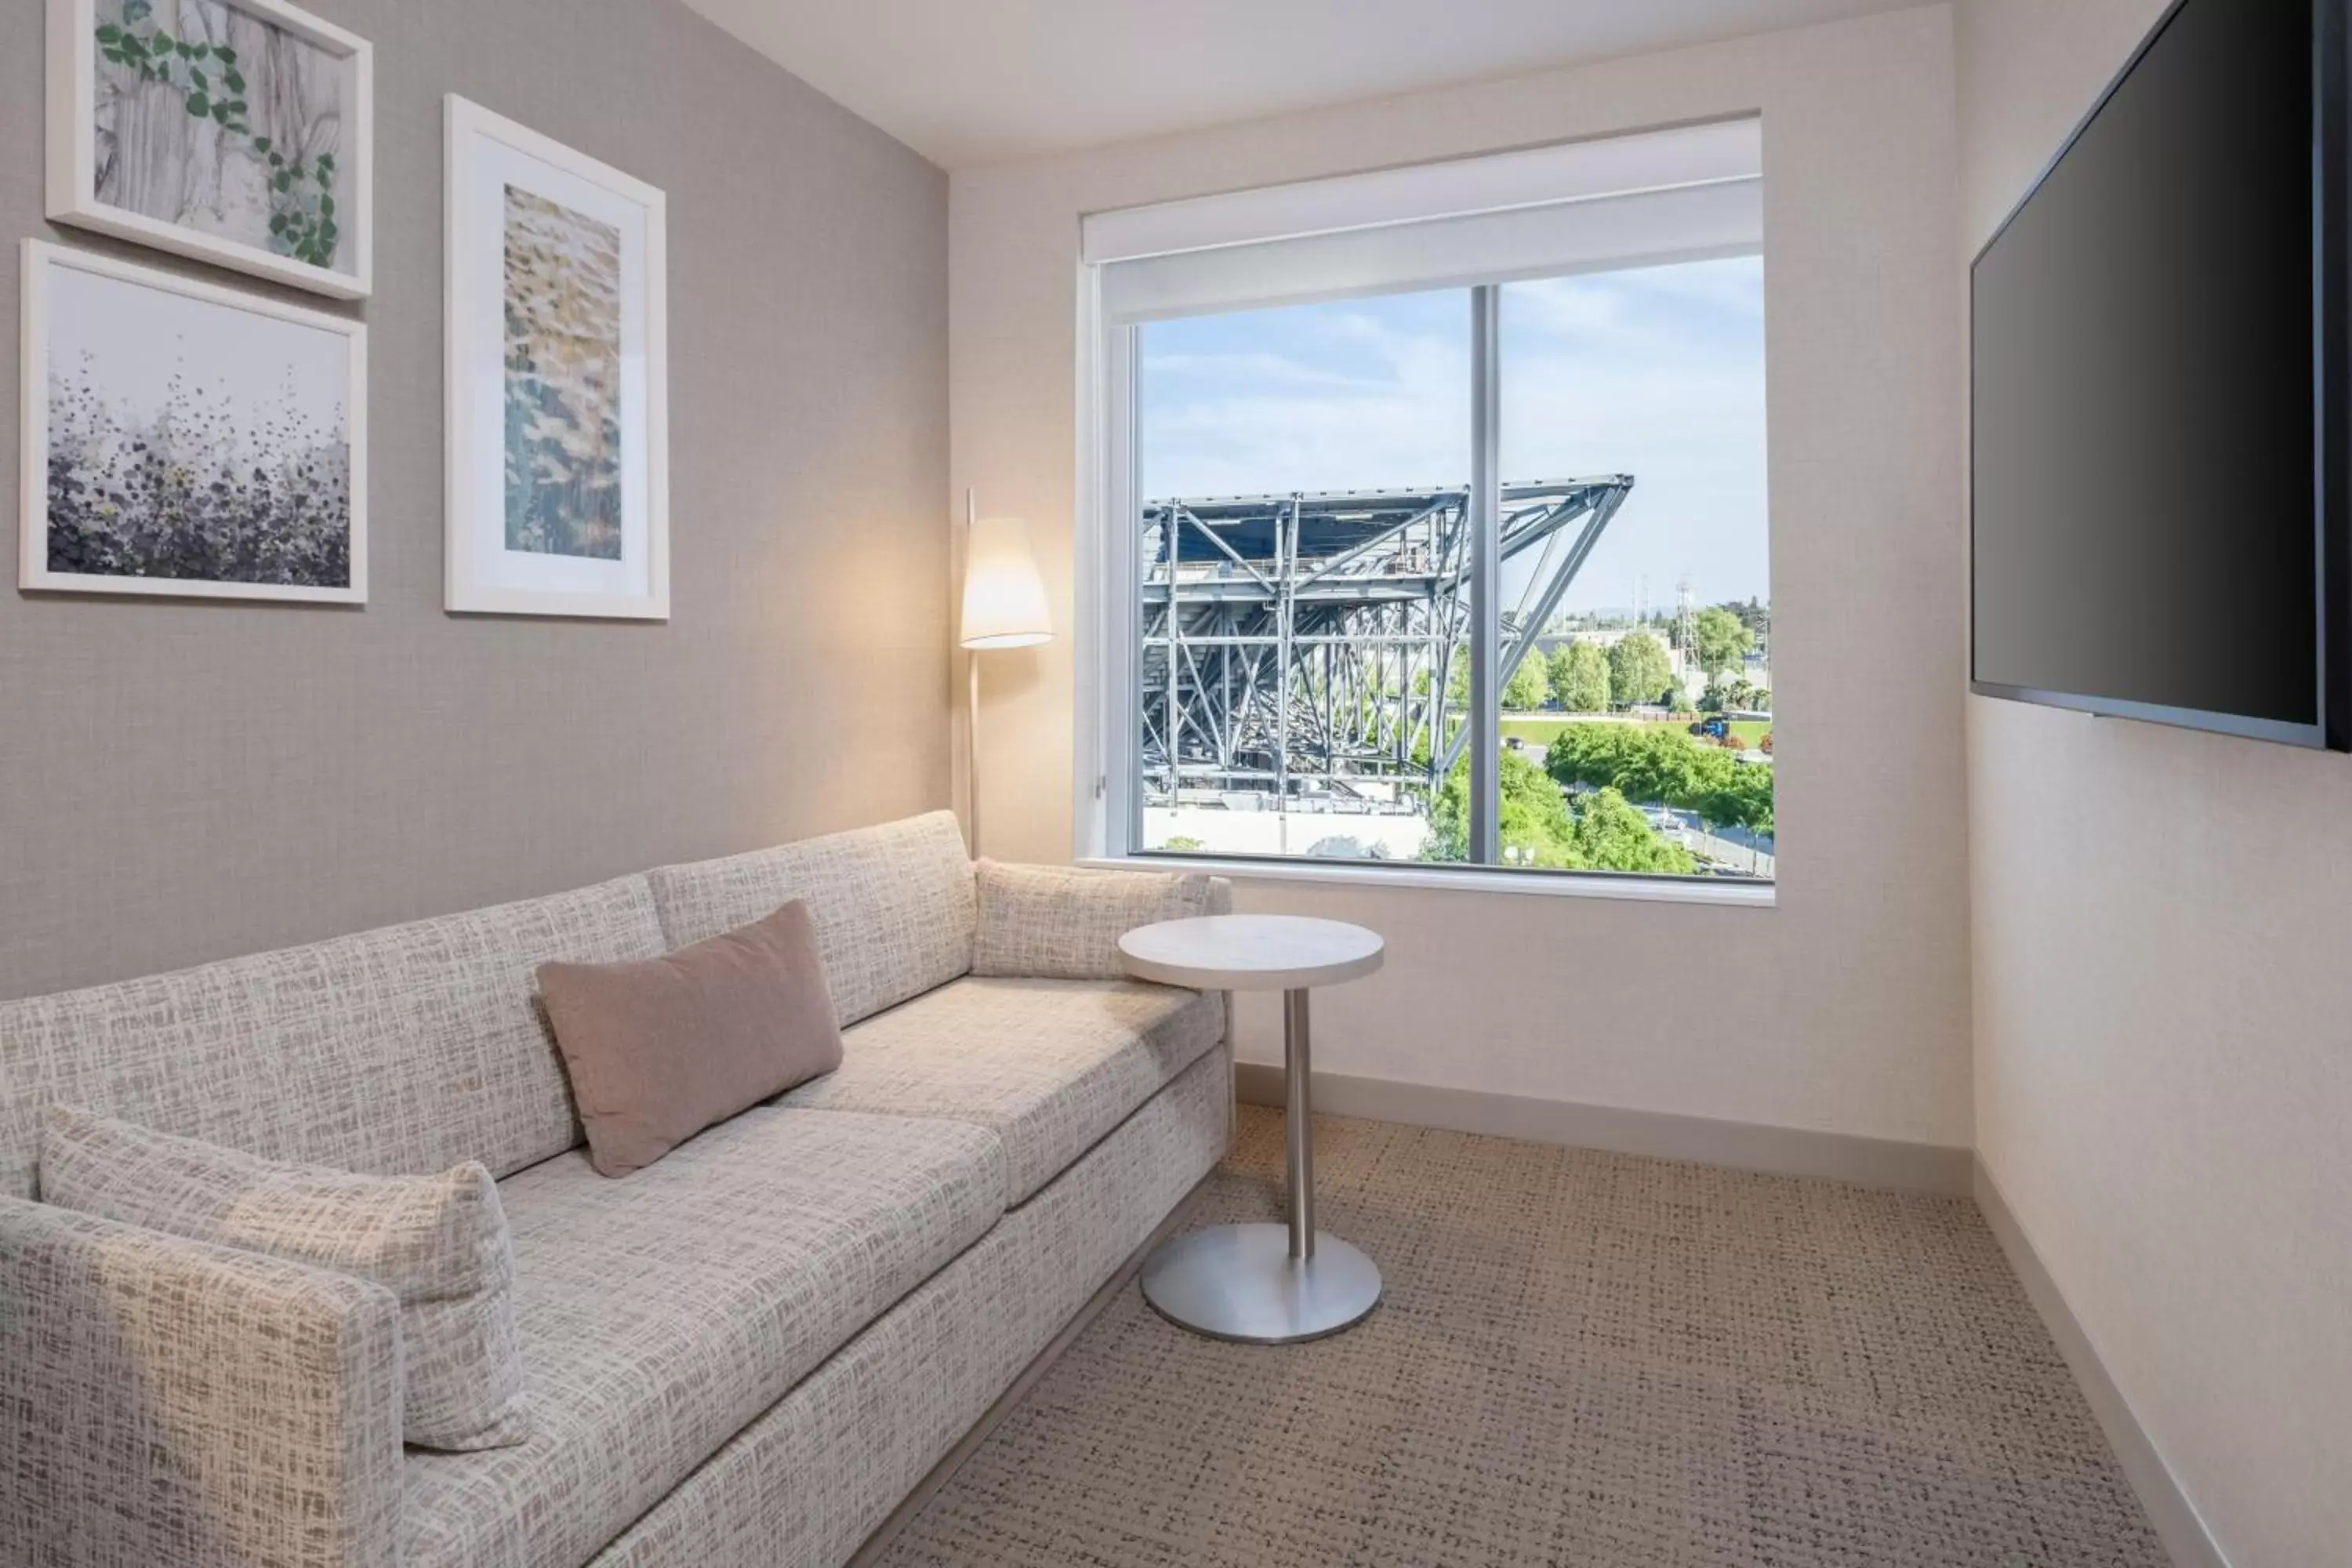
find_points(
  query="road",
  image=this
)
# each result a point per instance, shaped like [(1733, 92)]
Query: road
[(1738, 847)]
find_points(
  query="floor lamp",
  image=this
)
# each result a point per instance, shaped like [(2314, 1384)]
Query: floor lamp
[(1004, 606)]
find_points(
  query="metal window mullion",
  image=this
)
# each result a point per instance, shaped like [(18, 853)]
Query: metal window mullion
[(1127, 507), (1285, 548), (1171, 542), (1485, 576)]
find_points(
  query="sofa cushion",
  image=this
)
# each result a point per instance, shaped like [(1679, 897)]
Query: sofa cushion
[(393, 1052), (660, 1048), (660, 1315), (1063, 922), (438, 1243), (1050, 1066), (808, 1481), (893, 905)]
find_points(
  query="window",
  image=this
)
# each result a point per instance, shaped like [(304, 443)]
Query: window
[(1461, 569)]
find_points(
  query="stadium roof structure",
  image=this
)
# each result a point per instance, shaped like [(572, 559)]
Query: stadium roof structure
[(1307, 640)]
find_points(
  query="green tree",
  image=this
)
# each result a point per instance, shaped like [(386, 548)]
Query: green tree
[(1612, 834), (1528, 684), (1524, 693), (1538, 827), (1743, 800), (1740, 695), (1535, 819), (1579, 678), (1724, 640), (1756, 616), (1639, 670), (1658, 763)]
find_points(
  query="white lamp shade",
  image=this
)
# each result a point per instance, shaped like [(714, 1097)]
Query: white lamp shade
[(1003, 598)]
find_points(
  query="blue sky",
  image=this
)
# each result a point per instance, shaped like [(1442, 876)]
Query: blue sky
[(1658, 373)]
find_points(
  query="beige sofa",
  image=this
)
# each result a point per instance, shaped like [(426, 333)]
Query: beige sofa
[(748, 1353)]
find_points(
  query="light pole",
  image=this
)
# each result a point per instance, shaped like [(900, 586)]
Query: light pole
[(1004, 606)]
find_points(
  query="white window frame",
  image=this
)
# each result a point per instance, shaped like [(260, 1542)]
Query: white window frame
[(1109, 806)]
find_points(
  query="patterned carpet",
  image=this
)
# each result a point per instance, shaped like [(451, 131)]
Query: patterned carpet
[(1582, 1359)]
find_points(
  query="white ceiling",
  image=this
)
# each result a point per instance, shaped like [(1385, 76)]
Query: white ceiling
[(976, 81)]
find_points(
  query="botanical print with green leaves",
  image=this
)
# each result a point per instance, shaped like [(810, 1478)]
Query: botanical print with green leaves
[(562, 307), (217, 119)]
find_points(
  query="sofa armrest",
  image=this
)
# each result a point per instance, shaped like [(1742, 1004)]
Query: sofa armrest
[(170, 1401), (1063, 922), (1221, 896)]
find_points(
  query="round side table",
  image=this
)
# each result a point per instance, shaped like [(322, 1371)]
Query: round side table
[(1262, 1284)]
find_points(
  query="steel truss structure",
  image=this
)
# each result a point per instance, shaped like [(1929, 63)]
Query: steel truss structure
[(1306, 643)]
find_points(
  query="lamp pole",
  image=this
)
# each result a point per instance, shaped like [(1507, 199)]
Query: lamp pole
[(972, 697), (1004, 606)]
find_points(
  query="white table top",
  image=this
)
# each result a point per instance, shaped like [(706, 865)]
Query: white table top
[(1251, 953)]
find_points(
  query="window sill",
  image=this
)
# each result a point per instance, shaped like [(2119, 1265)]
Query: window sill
[(1540, 884)]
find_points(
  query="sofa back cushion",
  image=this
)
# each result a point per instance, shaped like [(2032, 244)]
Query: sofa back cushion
[(395, 1052), (894, 905), (1063, 922)]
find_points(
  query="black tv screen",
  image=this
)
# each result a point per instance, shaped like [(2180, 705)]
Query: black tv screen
[(2157, 409)]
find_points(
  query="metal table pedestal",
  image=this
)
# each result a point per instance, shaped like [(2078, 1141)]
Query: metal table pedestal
[(1269, 1284)]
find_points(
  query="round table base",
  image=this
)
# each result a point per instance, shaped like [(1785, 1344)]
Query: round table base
[(1240, 1282)]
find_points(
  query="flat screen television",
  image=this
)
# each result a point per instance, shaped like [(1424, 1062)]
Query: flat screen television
[(2158, 449)]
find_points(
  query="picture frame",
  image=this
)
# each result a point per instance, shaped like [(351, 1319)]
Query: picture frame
[(182, 439), (556, 362), (276, 181)]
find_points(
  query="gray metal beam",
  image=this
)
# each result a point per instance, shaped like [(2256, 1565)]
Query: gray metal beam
[(1356, 690)]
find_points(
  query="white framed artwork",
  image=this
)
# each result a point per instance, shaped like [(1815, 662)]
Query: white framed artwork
[(557, 428), (236, 131), (185, 439)]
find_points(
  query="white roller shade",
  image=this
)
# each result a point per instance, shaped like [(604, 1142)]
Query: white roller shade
[(1628, 201)]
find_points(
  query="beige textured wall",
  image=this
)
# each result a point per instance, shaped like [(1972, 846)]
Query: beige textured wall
[(1845, 1009), (2164, 992), (183, 780)]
